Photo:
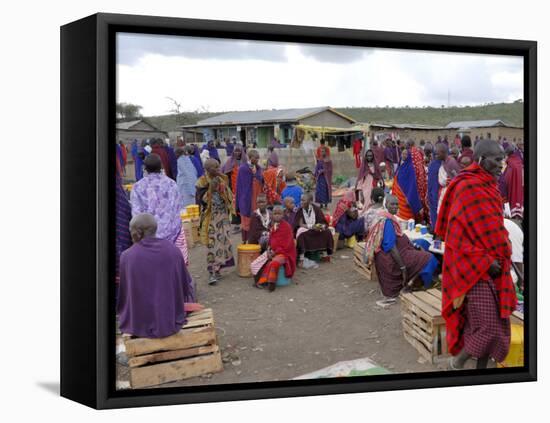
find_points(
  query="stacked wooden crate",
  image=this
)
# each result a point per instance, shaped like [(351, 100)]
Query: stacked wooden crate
[(423, 325), (193, 351), (369, 272)]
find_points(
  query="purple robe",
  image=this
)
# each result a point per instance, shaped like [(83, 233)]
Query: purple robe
[(273, 160), (390, 154), (123, 214), (173, 161), (232, 161), (212, 151), (154, 285), (244, 188), (159, 195), (196, 160)]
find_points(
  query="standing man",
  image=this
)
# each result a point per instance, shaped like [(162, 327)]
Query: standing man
[(467, 154), (478, 292), (250, 183), (511, 183)]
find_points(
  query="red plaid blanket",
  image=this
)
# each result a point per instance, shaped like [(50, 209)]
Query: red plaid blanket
[(472, 224)]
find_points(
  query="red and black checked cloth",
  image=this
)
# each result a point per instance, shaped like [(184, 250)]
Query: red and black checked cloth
[(471, 223)]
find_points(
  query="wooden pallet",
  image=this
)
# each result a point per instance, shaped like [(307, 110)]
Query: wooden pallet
[(423, 326), (368, 272), (193, 351)]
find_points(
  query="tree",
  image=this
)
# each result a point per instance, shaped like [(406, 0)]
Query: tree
[(176, 108), (127, 111)]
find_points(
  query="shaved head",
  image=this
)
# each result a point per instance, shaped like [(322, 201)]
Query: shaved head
[(152, 163), (486, 148), (143, 225)]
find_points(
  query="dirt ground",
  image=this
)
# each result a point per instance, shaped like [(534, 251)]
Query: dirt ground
[(326, 315)]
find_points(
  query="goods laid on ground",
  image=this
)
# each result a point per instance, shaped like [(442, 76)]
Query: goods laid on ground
[(423, 325), (191, 352), (368, 271)]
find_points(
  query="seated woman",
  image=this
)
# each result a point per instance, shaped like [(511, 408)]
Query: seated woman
[(398, 263), (260, 223), (290, 211), (281, 251), (350, 224), (312, 233)]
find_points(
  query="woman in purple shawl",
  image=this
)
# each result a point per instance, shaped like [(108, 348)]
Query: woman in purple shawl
[(154, 284), (196, 160), (273, 159), (212, 150), (368, 178), (323, 179), (173, 161)]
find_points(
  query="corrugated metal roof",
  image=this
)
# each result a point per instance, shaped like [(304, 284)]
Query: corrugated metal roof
[(404, 126), (261, 116), (476, 124), (127, 125)]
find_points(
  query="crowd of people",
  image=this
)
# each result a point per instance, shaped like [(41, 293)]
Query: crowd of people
[(461, 194)]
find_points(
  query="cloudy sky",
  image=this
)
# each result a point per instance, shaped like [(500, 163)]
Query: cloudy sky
[(222, 75)]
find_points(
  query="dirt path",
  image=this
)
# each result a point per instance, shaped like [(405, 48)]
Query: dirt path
[(327, 315)]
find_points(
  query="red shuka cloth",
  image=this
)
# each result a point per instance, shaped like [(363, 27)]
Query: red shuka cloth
[(157, 149), (471, 223), (357, 147), (421, 177), (513, 180), (281, 241)]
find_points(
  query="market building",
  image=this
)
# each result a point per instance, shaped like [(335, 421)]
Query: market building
[(264, 125)]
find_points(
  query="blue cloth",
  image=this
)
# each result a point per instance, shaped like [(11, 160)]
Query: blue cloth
[(198, 165), (138, 162), (186, 180), (173, 161), (422, 243), (390, 237), (212, 151), (294, 191), (406, 178), (427, 272), (229, 147), (433, 190), (322, 194)]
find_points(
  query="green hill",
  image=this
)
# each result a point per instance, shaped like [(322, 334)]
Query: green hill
[(511, 113)]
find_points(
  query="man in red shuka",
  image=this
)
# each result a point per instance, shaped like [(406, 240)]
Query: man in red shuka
[(478, 292)]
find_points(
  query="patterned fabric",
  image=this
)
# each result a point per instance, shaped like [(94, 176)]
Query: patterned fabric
[(181, 244), (433, 190), (373, 243), (486, 334), (158, 195), (274, 184), (270, 271), (220, 251), (471, 223), (208, 198), (342, 206), (420, 173)]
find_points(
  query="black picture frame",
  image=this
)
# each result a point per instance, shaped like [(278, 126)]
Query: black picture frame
[(87, 127)]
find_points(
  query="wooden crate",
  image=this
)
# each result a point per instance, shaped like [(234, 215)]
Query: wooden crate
[(423, 326), (368, 272), (193, 351)]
